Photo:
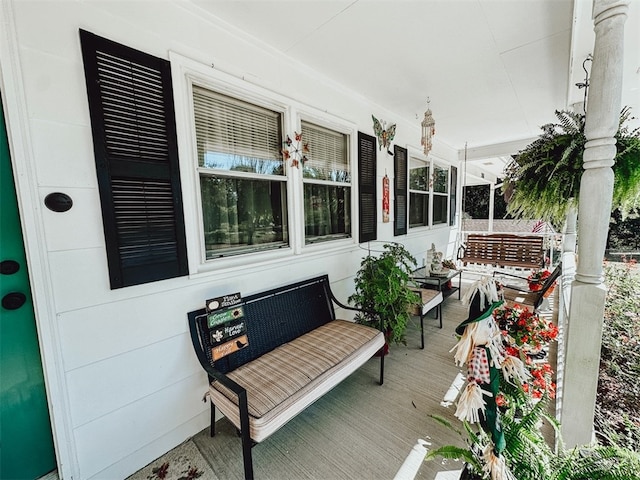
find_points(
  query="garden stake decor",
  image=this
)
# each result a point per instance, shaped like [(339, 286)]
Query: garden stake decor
[(508, 395), (480, 347)]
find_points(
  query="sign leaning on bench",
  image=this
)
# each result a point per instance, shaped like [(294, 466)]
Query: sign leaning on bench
[(227, 327)]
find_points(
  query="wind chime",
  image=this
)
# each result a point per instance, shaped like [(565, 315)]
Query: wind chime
[(428, 130)]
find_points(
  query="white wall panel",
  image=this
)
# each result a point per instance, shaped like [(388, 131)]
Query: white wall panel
[(62, 148), (53, 37), (140, 458), (100, 388), (96, 333), (113, 437), (77, 228), (79, 277), (55, 87)]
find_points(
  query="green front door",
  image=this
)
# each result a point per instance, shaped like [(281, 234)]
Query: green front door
[(26, 444)]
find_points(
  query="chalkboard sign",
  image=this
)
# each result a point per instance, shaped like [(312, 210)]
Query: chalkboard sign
[(227, 326)]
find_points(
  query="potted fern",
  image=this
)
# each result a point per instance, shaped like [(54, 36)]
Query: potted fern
[(543, 180), (382, 289)]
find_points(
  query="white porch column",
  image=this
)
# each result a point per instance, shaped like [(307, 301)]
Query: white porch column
[(584, 330), (492, 201), (570, 232)]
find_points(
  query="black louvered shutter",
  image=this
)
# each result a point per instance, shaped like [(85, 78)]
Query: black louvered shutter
[(134, 141), (453, 185), (400, 190), (367, 187)]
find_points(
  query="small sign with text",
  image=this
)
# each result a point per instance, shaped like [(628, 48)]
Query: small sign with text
[(227, 327)]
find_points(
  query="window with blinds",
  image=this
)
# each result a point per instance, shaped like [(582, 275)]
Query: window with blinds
[(133, 125), (235, 135), (326, 184), (242, 175)]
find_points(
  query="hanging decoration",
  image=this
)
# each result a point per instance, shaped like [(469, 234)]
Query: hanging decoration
[(428, 130), (385, 199), (295, 150), (385, 135)]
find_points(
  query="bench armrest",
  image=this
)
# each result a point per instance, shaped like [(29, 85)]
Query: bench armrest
[(241, 393), (356, 309)]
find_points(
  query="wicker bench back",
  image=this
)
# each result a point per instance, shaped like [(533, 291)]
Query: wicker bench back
[(272, 318)]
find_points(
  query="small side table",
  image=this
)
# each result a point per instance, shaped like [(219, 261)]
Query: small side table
[(423, 276)]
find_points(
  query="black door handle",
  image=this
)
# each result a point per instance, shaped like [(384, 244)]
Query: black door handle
[(13, 300), (9, 267)]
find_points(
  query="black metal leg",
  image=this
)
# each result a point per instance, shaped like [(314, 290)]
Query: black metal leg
[(212, 430), (440, 315), (421, 331), (247, 443), (381, 368)]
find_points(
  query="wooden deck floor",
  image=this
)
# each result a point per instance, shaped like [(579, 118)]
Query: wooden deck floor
[(360, 430)]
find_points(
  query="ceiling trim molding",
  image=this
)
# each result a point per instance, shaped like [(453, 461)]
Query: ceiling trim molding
[(497, 150)]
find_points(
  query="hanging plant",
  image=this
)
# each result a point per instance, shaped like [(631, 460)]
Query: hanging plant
[(544, 178)]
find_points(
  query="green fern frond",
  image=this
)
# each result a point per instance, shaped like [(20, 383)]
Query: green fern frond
[(597, 463), (546, 174), (451, 452)]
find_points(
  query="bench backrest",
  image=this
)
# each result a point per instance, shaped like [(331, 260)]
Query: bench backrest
[(505, 249), (272, 318)]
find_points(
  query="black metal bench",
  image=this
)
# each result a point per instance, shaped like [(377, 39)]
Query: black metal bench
[(296, 352)]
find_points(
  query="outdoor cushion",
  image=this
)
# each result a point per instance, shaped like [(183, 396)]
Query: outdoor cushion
[(283, 382)]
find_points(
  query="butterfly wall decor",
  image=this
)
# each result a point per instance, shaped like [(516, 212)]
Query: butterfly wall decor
[(296, 151), (385, 136)]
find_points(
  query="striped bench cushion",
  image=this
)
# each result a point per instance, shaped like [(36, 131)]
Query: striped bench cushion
[(286, 380), (429, 299)]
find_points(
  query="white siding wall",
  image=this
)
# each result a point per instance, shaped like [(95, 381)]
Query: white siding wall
[(124, 383)]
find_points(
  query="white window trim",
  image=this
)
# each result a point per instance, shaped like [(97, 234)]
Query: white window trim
[(424, 162), (444, 166), (322, 119), (431, 161), (186, 72)]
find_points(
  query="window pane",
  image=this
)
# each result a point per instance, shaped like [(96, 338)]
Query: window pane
[(419, 179), (236, 135), (241, 215), (327, 212), (418, 209), (440, 179), (327, 158), (439, 209)]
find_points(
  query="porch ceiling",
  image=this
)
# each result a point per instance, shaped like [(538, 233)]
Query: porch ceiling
[(494, 70)]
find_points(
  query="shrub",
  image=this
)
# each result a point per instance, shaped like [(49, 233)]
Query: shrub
[(617, 419)]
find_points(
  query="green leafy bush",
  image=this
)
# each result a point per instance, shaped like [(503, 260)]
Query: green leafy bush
[(618, 403)]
